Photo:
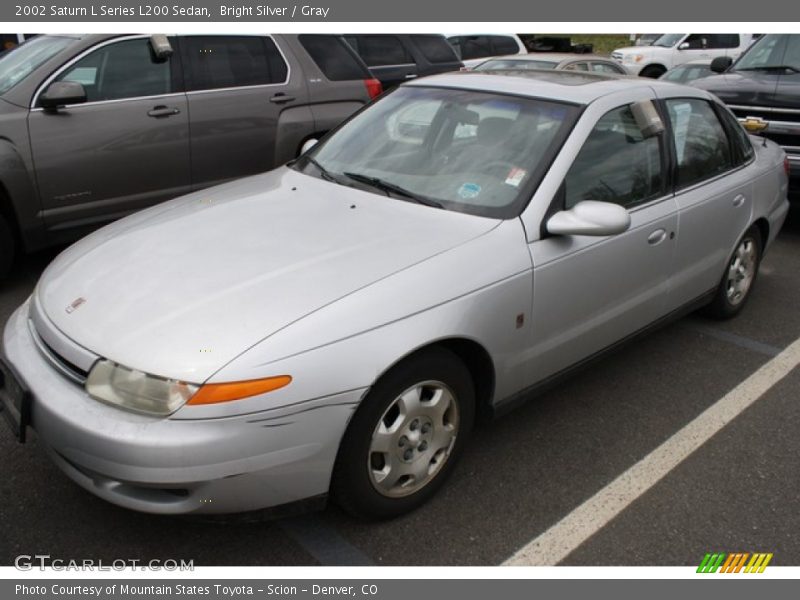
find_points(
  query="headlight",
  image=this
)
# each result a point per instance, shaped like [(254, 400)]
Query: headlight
[(140, 392), (631, 58), (135, 390)]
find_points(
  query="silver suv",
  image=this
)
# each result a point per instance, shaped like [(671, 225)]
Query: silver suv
[(95, 127)]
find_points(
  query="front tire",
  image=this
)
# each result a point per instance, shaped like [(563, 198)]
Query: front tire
[(406, 436), (739, 277), (653, 71)]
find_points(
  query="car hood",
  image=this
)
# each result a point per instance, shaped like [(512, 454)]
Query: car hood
[(754, 88), (183, 288)]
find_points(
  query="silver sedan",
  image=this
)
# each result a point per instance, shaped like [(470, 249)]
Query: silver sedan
[(335, 326)]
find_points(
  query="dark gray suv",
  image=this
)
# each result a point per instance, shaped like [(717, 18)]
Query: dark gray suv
[(95, 127)]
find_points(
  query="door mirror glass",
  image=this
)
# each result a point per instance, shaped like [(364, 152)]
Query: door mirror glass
[(590, 217), (61, 93), (162, 49)]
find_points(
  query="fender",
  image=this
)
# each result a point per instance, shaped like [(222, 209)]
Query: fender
[(20, 187)]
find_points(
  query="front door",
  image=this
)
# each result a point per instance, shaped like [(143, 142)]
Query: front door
[(590, 292), (125, 148)]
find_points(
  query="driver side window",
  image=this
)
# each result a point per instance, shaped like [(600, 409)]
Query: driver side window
[(124, 69), (616, 164)]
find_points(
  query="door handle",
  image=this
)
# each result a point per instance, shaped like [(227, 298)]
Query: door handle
[(739, 200), (281, 98), (656, 237), (162, 111), (411, 76)]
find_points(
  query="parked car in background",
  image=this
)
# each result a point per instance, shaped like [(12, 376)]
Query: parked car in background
[(472, 48), (673, 49), (334, 326), (694, 69), (646, 39), (12, 40), (109, 124), (558, 61), (762, 88), (396, 58)]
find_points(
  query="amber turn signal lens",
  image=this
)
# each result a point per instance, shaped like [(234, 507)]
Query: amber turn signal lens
[(213, 393)]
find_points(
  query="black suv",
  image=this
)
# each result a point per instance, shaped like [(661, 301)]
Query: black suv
[(762, 88), (394, 59)]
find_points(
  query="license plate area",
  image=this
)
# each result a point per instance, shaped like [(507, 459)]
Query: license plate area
[(15, 401)]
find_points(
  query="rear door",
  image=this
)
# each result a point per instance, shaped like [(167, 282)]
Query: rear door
[(713, 191), (123, 149), (437, 56), (386, 56), (242, 93)]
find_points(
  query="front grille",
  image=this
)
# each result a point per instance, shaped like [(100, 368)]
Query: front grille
[(783, 124), (61, 364)]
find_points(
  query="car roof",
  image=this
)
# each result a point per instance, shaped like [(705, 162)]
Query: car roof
[(577, 87), (556, 57)]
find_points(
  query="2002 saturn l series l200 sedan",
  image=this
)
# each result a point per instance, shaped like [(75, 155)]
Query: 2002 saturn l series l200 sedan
[(334, 326)]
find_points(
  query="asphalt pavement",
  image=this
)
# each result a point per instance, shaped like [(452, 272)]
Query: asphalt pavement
[(521, 473)]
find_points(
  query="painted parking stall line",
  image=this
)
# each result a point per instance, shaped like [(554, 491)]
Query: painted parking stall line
[(574, 529)]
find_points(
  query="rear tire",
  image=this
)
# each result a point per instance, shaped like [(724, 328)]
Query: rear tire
[(8, 247), (739, 278), (406, 436), (653, 71)]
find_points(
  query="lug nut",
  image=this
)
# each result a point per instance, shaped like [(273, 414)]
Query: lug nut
[(423, 446), (426, 428), (414, 425), (403, 441), (408, 454)]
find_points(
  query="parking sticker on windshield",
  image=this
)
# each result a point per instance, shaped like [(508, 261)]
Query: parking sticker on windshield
[(515, 176), (469, 190)]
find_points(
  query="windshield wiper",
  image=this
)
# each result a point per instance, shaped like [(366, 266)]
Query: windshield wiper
[(389, 187), (772, 68), (323, 171)]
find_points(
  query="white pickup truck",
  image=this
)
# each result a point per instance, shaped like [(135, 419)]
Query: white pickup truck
[(673, 49)]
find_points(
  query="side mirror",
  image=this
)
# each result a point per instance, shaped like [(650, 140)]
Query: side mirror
[(161, 48), (590, 218), (308, 145), (684, 46), (721, 64), (61, 93)]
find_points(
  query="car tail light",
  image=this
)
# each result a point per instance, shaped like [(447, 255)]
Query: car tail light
[(374, 88), (786, 166)]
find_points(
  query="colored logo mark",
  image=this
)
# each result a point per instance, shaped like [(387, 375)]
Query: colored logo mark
[(735, 562)]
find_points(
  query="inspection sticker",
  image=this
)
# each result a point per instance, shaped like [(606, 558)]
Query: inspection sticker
[(469, 190), (515, 176)]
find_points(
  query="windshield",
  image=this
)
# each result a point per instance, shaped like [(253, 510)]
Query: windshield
[(771, 51), (18, 63), (493, 65), (668, 40), (474, 152)]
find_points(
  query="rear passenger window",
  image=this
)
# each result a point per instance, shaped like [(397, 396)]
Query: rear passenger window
[(701, 146), (120, 70), (381, 50), (334, 57), (503, 44), (740, 141), (616, 164), (214, 62), (435, 48)]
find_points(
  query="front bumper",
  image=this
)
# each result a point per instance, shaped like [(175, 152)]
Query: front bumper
[(177, 466)]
